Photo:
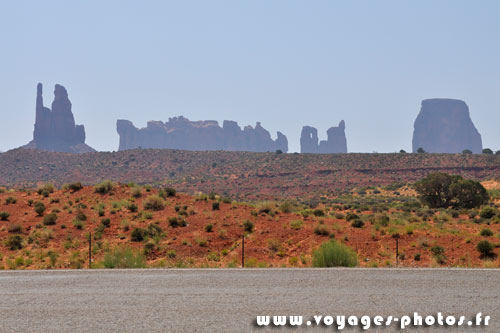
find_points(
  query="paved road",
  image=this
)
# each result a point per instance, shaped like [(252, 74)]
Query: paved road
[(229, 300)]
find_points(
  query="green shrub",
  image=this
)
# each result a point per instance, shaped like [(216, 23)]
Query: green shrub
[(296, 224), (334, 254), (321, 230), (14, 229), (440, 190), (215, 205), (14, 242), (132, 208), (351, 216), (124, 257), (488, 212), (46, 190), (106, 222), (50, 219), (248, 226), (78, 224), (319, 212), (175, 222), (357, 223), (137, 192), (39, 208), (138, 235), (75, 187), (286, 207), (80, 216), (104, 187), (486, 232), (417, 257), (437, 250), (154, 202), (485, 248), (4, 216), (171, 254), (265, 207), (209, 228), (10, 200), (170, 192)]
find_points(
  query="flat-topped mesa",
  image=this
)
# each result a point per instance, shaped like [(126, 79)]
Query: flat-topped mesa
[(181, 133), (445, 126), (55, 130), (336, 142)]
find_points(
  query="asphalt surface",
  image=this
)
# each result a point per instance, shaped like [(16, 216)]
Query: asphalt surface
[(191, 300)]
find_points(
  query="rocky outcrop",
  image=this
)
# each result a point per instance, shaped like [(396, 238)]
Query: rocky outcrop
[(55, 130), (336, 142), (181, 133), (445, 126)]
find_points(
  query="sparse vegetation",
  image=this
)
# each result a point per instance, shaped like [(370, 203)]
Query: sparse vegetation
[(334, 254)]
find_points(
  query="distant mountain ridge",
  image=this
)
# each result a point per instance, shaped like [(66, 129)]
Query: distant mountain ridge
[(181, 133)]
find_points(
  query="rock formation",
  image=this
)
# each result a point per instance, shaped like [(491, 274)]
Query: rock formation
[(336, 142), (445, 126), (55, 129), (181, 133)]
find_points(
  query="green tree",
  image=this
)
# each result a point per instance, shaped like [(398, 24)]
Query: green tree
[(487, 151), (440, 190)]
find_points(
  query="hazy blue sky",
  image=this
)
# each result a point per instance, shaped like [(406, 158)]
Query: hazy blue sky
[(284, 63)]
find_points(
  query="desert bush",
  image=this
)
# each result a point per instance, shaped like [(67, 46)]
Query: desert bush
[(215, 205), (171, 254), (138, 235), (4, 216), (417, 257), (486, 232), (132, 207), (154, 202), (104, 187), (334, 254), (80, 216), (274, 245), (209, 227), (50, 219), (124, 257), (14, 229), (485, 248), (75, 187), (357, 223), (46, 190), (351, 216), (14, 242), (137, 192), (169, 192), (440, 190), (321, 230), (265, 207), (296, 224), (175, 222), (437, 250), (106, 222), (488, 212), (78, 224), (248, 226), (286, 207), (319, 212), (39, 208), (10, 200)]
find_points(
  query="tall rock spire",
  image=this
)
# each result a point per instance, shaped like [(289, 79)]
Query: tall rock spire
[(55, 129)]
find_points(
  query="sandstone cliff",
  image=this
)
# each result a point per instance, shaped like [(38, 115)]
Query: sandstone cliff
[(336, 142), (181, 133), (55, 130), (445, 126)]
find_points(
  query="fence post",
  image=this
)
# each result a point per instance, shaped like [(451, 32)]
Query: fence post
[(90, 250), (243, 251)]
